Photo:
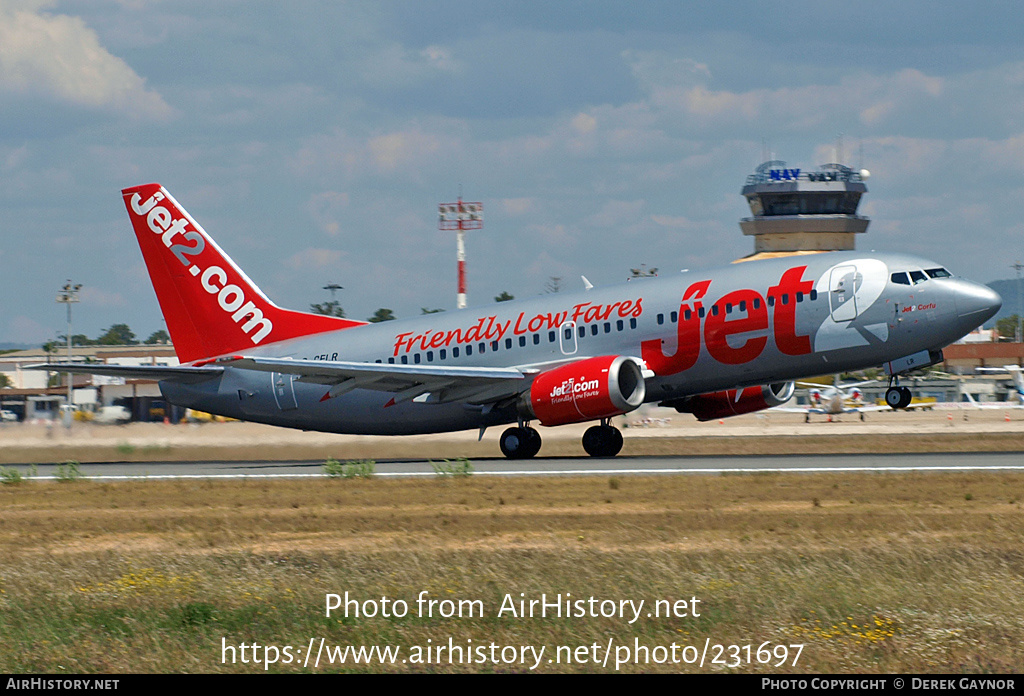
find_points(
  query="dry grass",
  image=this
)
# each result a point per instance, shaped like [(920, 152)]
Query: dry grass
[(437, 447), (777, 433), (873, 573)]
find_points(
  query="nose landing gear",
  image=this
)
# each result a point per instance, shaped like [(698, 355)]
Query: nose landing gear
[(896, 396)]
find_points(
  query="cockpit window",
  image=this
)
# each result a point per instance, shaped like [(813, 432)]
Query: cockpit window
[(938, 273), (918, 277), (900, 278)]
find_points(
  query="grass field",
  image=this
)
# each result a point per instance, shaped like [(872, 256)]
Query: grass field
[(869, 573)]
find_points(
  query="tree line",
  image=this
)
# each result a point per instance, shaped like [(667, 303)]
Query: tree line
[(333, 308), (122, 335), (116, 335)]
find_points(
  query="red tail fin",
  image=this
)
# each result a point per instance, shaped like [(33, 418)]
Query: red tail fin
[(210, 305)]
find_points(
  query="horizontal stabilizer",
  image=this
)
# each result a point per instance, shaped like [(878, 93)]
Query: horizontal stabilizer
[(184, 373)]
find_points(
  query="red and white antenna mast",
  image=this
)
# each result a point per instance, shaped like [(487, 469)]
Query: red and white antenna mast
[(461, 216)]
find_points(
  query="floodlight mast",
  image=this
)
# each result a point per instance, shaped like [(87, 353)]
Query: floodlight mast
[(1018, 329), (461, 216), (68, 295)]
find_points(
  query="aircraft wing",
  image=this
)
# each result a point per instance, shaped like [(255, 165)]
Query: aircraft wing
[(1004, 405), (182, 373), (825, 411), (877, 407), (798, 409), (844, 386), (427, 383)]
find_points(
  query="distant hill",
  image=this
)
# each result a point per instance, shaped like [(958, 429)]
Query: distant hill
[(18, 346), (1007, 289)]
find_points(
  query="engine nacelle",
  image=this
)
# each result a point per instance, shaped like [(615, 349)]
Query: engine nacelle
[(601, 387), (725, 403)]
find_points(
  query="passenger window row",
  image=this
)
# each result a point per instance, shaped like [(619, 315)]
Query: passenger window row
[(728, 307), (481, 348)]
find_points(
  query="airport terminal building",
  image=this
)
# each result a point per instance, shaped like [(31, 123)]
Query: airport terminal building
[(37, 395)]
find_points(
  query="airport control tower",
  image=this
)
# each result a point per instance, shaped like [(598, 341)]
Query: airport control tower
[(798, 211)]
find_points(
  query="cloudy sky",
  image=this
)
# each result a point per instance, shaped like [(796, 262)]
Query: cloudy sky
[(314, 140)]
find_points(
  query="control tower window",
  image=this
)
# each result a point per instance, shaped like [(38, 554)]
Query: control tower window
[(804, 203), (938, 273)]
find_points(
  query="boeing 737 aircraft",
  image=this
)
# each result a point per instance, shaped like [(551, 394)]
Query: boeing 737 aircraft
[(712, 343)]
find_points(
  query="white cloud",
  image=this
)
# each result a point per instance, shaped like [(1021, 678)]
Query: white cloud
[(411, 151), (15, 158), (395, 66), (678, 222), (584, 124), (102, 298), (314, 259), (440, 58), (326, 208), (389, 151), (684, 87), (514, 207), (617, 214), (59, 56)]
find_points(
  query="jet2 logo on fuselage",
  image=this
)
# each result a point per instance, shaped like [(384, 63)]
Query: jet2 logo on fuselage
[(852, 288)]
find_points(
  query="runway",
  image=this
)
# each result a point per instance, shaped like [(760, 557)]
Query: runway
[(565, 466)]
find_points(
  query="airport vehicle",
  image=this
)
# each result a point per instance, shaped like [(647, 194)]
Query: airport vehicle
[(8, 416), (112, 415), (713, 343)]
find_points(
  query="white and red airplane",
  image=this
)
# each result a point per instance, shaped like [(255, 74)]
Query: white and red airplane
[(1014, 396), (834, 400), (713, 343)]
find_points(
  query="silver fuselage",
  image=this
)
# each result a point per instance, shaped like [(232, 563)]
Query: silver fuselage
[(700, 331)]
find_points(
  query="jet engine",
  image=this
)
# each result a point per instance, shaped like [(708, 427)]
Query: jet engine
[(734, 402), (600, 387)]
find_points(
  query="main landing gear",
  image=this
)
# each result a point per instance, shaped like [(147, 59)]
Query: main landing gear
[(602, 440), (520, 443), (523, 442), (897, 396)]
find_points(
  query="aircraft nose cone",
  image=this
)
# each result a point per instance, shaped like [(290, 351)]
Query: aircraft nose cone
[(979, 303)]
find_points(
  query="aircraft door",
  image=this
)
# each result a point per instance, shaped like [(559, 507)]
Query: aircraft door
[(567, 338), (283, 385), (844, 281)]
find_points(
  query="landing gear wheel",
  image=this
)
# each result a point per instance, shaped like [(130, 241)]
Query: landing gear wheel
[(533, 442), (520, 443), (898, 397), (602, 441)]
